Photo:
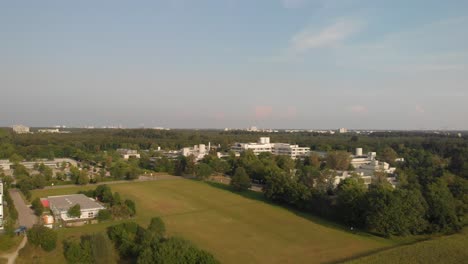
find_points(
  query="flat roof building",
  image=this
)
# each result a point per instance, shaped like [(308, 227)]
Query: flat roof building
[(20, 129), (264, 145), (127, 153), (59, 205)]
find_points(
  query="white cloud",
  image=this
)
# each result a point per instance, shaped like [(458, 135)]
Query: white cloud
[(328, 37)]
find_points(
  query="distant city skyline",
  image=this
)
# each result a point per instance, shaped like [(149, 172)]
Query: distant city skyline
[(306, 64)]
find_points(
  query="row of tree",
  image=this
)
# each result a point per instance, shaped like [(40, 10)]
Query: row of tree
[(151, 245)]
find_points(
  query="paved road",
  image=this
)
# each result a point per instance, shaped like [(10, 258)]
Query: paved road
[(11, 257), (26, 216)]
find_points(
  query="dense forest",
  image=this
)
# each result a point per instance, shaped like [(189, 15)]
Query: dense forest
[(431, 196)]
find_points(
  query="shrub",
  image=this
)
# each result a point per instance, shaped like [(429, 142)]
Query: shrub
[(74, 211), (104, 215), (37, 207), (42, 236)]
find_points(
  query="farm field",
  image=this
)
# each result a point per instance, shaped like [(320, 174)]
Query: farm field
[(236, 229), (448, 249)]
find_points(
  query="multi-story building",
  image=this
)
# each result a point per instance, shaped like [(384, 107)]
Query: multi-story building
[(1, 205), (49, 130), (127, 153), (20, 129), (264, 145), (53, 164), (198, 151)]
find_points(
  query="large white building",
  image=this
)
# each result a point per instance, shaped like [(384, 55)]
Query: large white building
[(198, 151), (368, 163), (128, 153), (53, 164), (365, 166), (1, 205), (59, 205), (20, 129), (264, 145)]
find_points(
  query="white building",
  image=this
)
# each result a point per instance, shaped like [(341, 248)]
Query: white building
[(264, 145), (198, 151), (20, 129), (342, 130), (127, 153), (48, 130), (53, 164), (366, 165), (59, 205), (1, 205), (5, 165), (341, 175)]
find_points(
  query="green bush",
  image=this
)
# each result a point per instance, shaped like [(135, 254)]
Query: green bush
[(104, 215), (42, 236), (37, 207)]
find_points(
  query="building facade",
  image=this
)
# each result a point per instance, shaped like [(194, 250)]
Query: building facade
[(59, 205), (1, 206), (20, 129), (128, 153), (264, 145)]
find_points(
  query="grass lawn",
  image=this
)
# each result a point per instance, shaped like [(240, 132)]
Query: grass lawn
[(235, 228), (9, 244), (448, 249)]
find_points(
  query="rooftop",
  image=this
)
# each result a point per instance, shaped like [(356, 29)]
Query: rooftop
[(64, 202)]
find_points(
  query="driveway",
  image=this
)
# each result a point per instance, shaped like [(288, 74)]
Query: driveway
[(26, 216)]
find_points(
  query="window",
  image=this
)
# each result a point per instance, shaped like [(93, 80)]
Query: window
[(90, 214)]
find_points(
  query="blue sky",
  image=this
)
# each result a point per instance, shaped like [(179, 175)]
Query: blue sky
[(235, 63)]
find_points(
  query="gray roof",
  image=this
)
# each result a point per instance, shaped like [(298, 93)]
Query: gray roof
[(64, 202)]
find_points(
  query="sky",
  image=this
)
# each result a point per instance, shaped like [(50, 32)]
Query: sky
[(315, 64)]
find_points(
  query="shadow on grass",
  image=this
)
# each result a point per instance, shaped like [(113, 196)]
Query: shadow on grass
[(258, 196), (392, 243)]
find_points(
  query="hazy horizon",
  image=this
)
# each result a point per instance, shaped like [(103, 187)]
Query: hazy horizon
[(311, 64)]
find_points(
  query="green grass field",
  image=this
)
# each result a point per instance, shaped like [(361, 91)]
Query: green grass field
[(447, 250), (235, 228)]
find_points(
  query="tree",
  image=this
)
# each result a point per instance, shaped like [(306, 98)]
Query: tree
[(442, 207), (241, 180), (75, 253), (157, 228), (83, 178), (104, 193), (338, 160), (104, 215), (313, 160), (395, 212), (37, 207), (15, 158), (178, 250), (116, 199), (74, 211), (42, 236), (350, 201), (203, 171), (131, 206), (388, 155)]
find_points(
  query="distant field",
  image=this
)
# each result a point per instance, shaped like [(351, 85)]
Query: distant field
[(447, 250), (234, 228)]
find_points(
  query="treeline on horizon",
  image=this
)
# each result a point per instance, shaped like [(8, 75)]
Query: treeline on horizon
[(432, 196)]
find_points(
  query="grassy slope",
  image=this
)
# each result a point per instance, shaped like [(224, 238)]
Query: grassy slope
[(234, 228), (449, 249)]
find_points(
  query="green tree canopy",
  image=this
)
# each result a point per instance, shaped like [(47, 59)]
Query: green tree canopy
[(74, 211), (241, 180)]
